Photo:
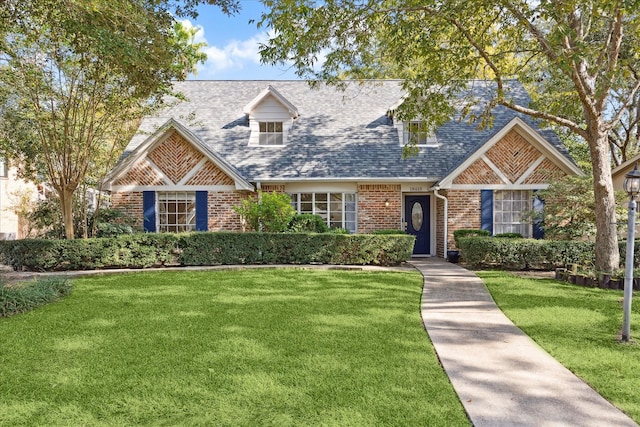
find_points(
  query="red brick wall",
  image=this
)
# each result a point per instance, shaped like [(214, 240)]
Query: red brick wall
[(130, 204), (464, 212), (513, 155), (222, 217), (372, 212), (175, 157), (478, 172)]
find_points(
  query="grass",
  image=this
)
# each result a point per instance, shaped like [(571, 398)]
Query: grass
[(579, 327), (252, 347), (22, 297)]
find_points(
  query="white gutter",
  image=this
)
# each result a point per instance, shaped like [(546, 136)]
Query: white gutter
[(446, 218)]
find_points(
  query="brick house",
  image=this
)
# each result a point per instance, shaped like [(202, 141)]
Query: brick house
[(337, 154)]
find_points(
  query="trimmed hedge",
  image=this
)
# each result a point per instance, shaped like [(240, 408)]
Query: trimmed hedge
[(530, 254), (205, 248)]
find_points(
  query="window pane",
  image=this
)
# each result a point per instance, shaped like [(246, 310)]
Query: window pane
[(509, 210), (176, 211)]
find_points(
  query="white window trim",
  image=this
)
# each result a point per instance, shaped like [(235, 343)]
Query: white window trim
[(529, 224), (271, 135), (159, 224)]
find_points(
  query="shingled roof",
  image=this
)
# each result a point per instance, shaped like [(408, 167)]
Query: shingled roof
[(337, 135)]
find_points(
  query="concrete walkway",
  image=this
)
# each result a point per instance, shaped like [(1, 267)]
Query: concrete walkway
[(502, 377)]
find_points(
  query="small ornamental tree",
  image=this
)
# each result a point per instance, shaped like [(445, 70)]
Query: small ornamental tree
[(271, 212), (569, 209)]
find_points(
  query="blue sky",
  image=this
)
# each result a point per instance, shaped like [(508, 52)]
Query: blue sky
[(233, 45)]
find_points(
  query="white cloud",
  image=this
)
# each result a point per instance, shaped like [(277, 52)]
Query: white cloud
[(236, 55)]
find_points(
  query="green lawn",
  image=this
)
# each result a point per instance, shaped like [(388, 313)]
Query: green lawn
[(579, 327), (251, 347)]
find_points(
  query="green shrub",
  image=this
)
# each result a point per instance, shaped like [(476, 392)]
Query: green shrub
[(308, 223), (206, 248), (524, 254), (339, 231), (468, 232), (509, 235), (22, 298), (271, 213)]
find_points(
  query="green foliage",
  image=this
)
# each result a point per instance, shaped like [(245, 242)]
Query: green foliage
[(271, 213), (169, 249), (75, 80), (308, 223), (570, 209), (468, 232), (524, 254), (509, 235), (21, 298), (46, 219)]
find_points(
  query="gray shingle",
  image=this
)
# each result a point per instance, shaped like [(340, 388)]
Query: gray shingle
[(338, 134)]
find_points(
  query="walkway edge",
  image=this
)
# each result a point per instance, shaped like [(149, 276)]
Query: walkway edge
[(502, 377)]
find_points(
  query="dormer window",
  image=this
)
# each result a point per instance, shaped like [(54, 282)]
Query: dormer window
[(271, 118), (271, 133), (416, 133)]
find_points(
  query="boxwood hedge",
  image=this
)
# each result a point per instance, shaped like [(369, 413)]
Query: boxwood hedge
[(205, 248), (527, 254)]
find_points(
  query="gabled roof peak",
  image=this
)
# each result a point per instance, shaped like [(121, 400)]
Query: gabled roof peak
[(270, 90)]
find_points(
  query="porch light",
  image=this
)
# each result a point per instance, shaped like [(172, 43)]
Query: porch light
[(386, 202), (632, 187)]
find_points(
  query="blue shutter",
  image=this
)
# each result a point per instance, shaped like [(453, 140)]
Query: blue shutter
[(149, 211), (486, 216), (202, 211), (538, 206)]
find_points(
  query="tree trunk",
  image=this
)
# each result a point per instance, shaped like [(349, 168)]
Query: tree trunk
[(607, 252), (66, 202)]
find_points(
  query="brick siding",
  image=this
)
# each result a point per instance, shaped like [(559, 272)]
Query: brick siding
[(513, 155), (464, 212), (479, 172), (372, 212), (210, 174), (544, 173), (141, 174), (130, 204), (175, 157), (222, 217)]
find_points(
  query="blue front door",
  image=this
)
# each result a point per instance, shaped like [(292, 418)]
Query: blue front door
[(417, 215)]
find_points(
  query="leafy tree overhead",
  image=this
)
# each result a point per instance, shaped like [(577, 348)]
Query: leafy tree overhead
[(573, 55), (75, 75)]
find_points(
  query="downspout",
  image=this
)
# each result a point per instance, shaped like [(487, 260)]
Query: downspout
[(446, 218)]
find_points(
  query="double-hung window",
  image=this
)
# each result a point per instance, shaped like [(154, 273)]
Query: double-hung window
[(510, 210), (416, 133), (337, 209), (271, 133), (176, 211)]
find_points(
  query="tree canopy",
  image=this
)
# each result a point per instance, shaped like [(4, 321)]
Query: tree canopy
[(578, 59), (75, 76)]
